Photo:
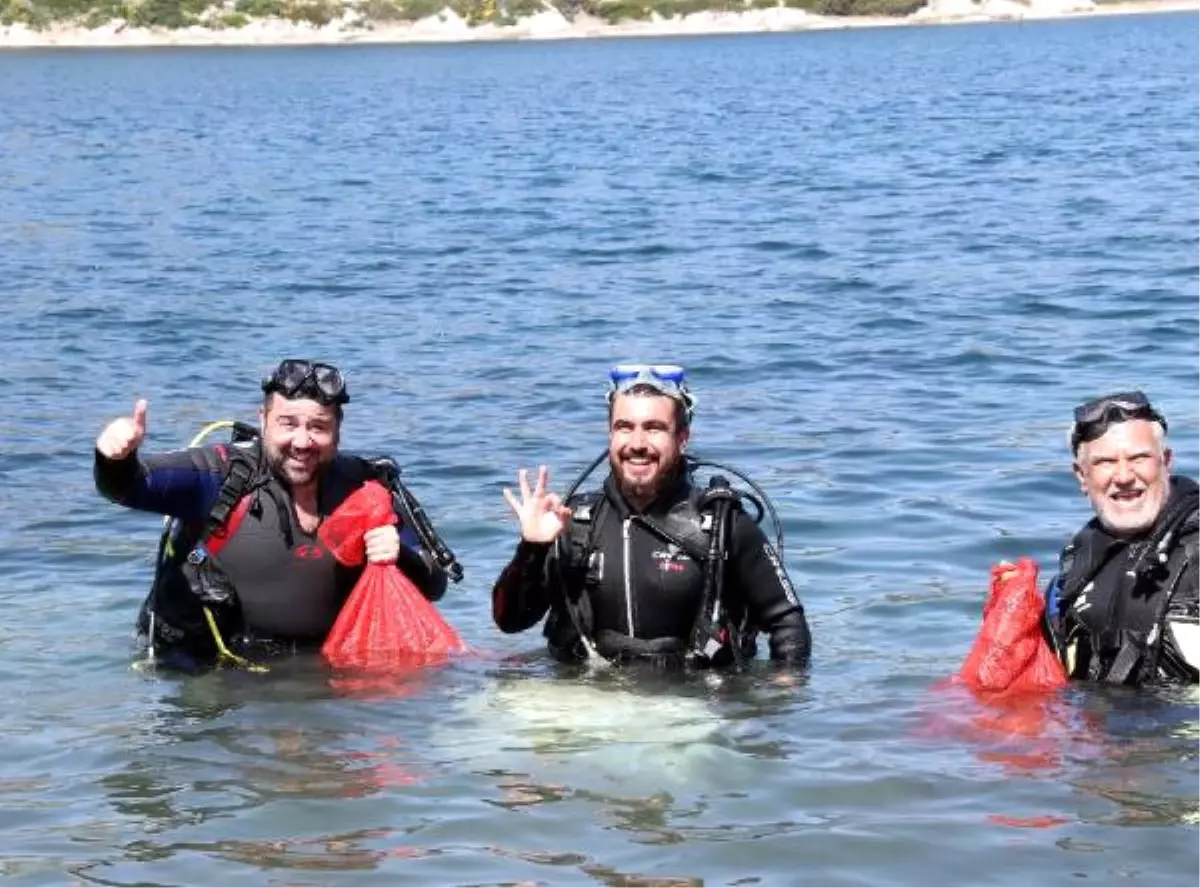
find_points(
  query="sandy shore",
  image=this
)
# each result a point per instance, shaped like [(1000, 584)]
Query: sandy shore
[(447, 27)]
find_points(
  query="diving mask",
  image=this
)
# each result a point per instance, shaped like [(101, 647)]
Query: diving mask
[(668, 380), (1094, 418), (293, 378)]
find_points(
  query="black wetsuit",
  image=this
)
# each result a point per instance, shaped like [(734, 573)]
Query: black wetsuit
[(1108, 608), (289, 587), (640, 593)]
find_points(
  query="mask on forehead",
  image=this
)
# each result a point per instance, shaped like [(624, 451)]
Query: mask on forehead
[(296, 378), (1094, 418), (668, 380)]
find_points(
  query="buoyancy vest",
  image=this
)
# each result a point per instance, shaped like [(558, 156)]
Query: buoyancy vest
[(209, 612), (695, 529), (201, 615)]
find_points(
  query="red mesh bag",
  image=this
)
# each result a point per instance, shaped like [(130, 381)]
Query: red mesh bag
[(386, 623), (1010, 655)]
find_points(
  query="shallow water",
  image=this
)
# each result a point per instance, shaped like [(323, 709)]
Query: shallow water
[(892, 261)]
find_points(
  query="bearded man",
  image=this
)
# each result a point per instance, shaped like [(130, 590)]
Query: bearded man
[(651, 567), (243, 572)]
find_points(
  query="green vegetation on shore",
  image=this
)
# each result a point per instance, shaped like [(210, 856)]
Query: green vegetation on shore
[(238, 13)]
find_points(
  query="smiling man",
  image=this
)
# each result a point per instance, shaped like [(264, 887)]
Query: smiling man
[(1123, 608), (245, 572), (631, 572)]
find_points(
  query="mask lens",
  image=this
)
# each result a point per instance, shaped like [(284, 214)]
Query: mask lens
[(668, 372), (1101, 408), (624, 372), (291, 375), (329, 380), (1111, 410), (671, 374)]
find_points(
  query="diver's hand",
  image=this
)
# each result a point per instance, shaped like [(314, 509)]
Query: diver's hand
[(383, 544), (542, 515), (123, 436)]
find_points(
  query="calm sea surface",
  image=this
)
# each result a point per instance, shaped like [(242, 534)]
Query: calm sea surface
[(891, 260)]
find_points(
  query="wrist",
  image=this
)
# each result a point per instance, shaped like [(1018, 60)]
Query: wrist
[(530, 550)]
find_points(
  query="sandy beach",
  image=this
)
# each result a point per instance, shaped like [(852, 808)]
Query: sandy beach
[(449, 27)]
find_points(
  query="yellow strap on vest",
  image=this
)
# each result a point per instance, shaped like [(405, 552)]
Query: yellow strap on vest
[(209, 429), (225, 653)]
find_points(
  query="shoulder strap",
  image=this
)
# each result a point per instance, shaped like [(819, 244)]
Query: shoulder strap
[(572, 554), (1143, 655), (710, 628), (587, 510), (246, 473)]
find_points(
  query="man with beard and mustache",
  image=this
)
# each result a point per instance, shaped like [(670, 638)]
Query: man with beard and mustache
[(244, 541), (1123, 608), (622, 571)]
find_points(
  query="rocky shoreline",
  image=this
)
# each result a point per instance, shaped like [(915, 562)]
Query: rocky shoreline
[(448, 26)]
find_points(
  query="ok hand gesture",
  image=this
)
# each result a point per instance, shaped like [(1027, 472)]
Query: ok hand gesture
[(542, 515)]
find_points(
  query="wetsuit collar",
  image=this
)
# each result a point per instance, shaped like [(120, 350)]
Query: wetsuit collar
[(1183, 488)]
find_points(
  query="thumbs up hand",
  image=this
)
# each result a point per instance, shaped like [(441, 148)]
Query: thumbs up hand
[(122, 437)]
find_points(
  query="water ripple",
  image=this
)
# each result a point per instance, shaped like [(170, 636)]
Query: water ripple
[(892, 260)]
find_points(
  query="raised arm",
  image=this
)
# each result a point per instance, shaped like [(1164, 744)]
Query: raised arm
[(521, 597), (181, 483)]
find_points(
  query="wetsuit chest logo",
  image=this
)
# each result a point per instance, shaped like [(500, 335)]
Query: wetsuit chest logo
[(671, 559)]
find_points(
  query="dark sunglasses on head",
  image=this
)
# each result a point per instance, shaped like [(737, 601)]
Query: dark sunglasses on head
[(321, 382), (1095, 417)]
